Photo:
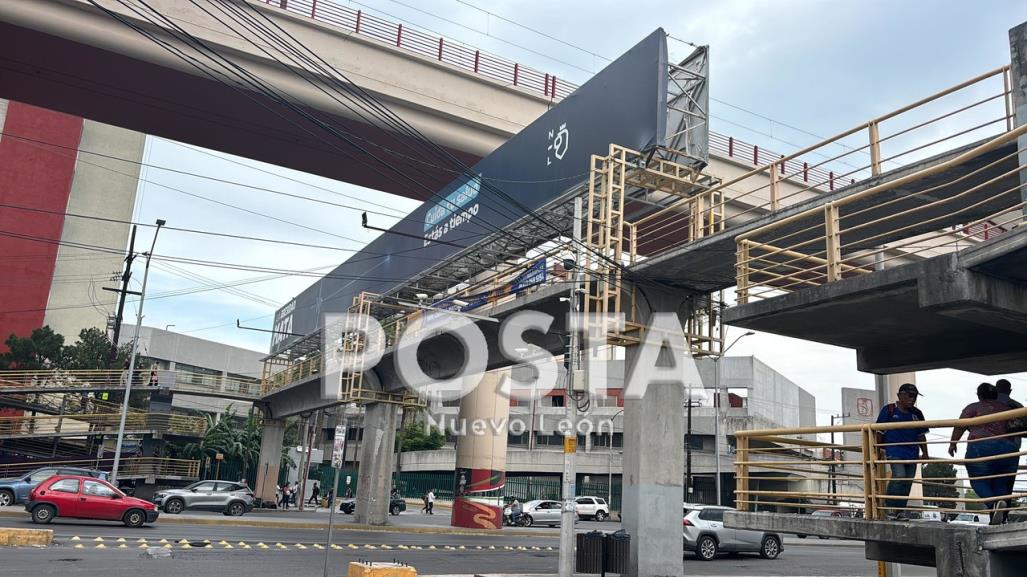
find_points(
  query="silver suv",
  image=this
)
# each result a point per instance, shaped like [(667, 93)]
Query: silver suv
[(230, 498), (705, 535)]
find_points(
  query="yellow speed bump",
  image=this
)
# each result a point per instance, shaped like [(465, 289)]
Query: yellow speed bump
[(98, 539), (76, 538), (100, 546), (122, 546), (119, 540), (79, 546), (300, 546)]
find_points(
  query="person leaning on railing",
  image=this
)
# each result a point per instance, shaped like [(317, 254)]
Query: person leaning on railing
[(902, 445), (981, 444)]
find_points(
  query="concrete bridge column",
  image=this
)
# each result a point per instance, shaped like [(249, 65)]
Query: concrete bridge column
[(654, 450), (1018, 85), (377, 461), (271, 442), (481, 455)]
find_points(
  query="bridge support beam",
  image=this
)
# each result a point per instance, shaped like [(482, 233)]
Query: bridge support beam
[(654, 451), (481, 453), (1018, 86), (377, 461), (271, 442)]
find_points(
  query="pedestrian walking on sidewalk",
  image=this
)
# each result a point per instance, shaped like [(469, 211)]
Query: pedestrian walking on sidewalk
[(431, 502), (424, 499), (315, 494), (286, 496)]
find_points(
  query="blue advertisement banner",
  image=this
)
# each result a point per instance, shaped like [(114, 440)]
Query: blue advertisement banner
[(625, 103)]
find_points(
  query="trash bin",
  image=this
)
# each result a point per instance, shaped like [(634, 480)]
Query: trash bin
[(588, 557), (616, 552)]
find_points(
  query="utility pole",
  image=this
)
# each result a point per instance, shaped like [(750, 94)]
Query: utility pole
[(132, 358), (126, 275), (834, 456), (570, 439), (309, 430), (688, 445)]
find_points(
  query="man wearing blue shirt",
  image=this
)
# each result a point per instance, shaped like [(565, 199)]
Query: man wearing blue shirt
[(914, 442)]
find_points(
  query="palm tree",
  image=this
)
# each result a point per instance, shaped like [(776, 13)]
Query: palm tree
[(241, 444)]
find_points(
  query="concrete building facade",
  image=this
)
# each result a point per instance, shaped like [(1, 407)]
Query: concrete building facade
[(196, 358), (55, 263), (754, 396)]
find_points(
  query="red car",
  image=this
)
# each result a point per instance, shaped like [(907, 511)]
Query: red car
[(80, 497)]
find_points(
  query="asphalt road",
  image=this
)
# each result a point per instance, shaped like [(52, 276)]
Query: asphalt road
[(295, 552)]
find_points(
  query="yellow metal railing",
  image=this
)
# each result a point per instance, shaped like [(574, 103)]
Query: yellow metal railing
[(866, 152), (823, 244), (185, 381), (129, 467), (101, 422), (793, 470)]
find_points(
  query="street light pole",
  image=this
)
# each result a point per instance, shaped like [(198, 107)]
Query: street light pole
[(570, 440), (132, 358), (609, 460), (716, 409)]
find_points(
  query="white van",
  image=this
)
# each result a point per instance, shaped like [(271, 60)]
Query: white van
[(971, 518), (927, 516)]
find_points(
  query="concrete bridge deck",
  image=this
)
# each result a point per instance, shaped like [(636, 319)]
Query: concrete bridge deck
[(955, 550), (966, 310)]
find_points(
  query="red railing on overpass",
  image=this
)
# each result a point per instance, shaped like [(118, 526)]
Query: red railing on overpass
[(427, 45), (516, 74)]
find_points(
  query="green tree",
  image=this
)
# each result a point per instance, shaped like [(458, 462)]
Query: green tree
[(971, 494), (93, 351), (942, 483), (43, 349), (417, 438), (234, 439)]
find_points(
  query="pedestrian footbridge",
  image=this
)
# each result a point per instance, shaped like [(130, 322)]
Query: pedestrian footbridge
[(852, 476), (60, 381)]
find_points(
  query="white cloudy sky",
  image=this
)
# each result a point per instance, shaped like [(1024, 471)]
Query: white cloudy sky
[(799, 68)]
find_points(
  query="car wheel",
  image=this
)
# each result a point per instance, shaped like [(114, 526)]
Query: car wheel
[(134, 518), (706, 548), (174, 506), (771, 548), (528, 521), (600, 515), (394, 510), (6, 498), (43, 514), (236, 509)]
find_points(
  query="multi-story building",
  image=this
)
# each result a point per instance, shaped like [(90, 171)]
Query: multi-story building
[(199, 364), (55, 171), (754, 396)]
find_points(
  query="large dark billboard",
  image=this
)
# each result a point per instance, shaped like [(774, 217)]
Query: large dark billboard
[(625, 104)]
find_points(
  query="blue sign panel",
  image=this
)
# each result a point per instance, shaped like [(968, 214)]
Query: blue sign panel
[(625, 104)]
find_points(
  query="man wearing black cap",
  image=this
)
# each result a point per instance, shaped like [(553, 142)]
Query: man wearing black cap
[(902, 445)]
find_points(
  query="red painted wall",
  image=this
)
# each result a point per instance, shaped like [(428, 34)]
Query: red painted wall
[(32, 175)]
